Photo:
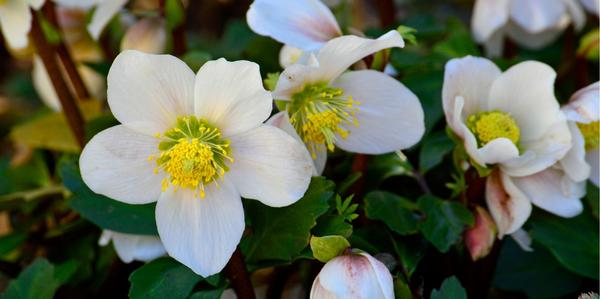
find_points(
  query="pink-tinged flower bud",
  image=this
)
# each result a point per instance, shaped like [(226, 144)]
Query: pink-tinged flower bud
[(357, 275), (147, 35), (480, 238)]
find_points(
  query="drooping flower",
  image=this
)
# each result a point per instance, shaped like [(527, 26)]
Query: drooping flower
[(492, 113), (362, 111), (15, 20), (356, 275), (531, 23), (194, 144), (131, 248)]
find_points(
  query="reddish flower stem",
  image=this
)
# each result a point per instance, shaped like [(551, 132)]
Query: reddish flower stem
[(386, 12), (238, 275), (47, 53)]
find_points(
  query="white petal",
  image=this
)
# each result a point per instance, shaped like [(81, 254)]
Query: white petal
[(592, 6), (470, 78), (541, 153), (281, 120), (148, 92), (115, 163), (270, 166), (574, 163), (494, 46), (488, 16), (553, 191), (148, 35), (498, 150), (289, 55), (593, 158), (304, 24), (584, 105), (509, 207), (35, 4), (340, 53), (537, 15), (576, 12), (523, 239), (390, 116), (15, 22), (201, 233), (538, 40), (386, 282), (295, 77), (103, 13), (134, 247), (317, 291), (353, 276), (43, 85), (522, 89), (230, 95)]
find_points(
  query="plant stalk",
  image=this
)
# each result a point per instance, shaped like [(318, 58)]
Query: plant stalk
[(238, 275)]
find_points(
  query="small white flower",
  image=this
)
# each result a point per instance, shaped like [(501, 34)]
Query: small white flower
[(511, 120), (15, 20), (359, 111), (133, 247), (104, 11), (531, 23), (195, 144), (357, 275)]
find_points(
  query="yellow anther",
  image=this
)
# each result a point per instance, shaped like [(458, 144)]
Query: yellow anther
[(591, 134), (490, 125)]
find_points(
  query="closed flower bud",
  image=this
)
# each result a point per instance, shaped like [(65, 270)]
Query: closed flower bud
[(480, 238)]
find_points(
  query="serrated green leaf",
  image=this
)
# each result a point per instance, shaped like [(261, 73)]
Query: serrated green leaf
[(37, 281), (103, 211), (408, 34), (162, 278), (573, 241), (328, 247), (444, 221), (398, 213), (450, 289), (282, 233), (332, 225)]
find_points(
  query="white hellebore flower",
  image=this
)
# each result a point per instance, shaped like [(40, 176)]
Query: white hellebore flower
[(363, 111), (302, 25), (357, 275), (583, 113), (511, 120), (531, 23), (194, 144), (104, 11), (131, 248), (15, 20)]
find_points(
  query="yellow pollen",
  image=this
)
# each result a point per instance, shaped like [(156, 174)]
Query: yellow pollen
[(490, 125), (193, 154), (321, 114), (591, 134)]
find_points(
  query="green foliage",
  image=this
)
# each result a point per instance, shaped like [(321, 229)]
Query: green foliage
[(162, 278), (444, 221), (328, 247), (103, 211), (280, 234), (588, 45), (397, 213), (408, 34), (434, 148), (38, 281), (450, 288)]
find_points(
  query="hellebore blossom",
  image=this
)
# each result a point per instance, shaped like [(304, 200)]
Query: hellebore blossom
[(357, 275), (359, 111), (510, 120), (15, 20), (194, 144), (133, 247), (530, 23)]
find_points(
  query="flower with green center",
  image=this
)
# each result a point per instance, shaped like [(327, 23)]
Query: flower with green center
[(358, 111), (194, 144), (15, 20), (591, 134), (511, 123)]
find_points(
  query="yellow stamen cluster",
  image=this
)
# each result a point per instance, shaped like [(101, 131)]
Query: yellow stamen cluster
[(320, 114), (490, 125), (591, 134), (193, 154)]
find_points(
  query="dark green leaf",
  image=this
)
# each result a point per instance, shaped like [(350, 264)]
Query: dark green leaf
[(450, 289), (162, 278), (410, 251), (195, 59), (444, 221), (396, 212), (573, 242), (402, 289), (433, 150), (592, 197), (282, 233), (536, 273), (11, 241), (36, 282), (103, 211), (458, 43), (209, 294), (332, 225)]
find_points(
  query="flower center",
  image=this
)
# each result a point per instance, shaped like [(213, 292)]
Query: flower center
[(490, 125), (193, 154), (319, 114), (591, 134)]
